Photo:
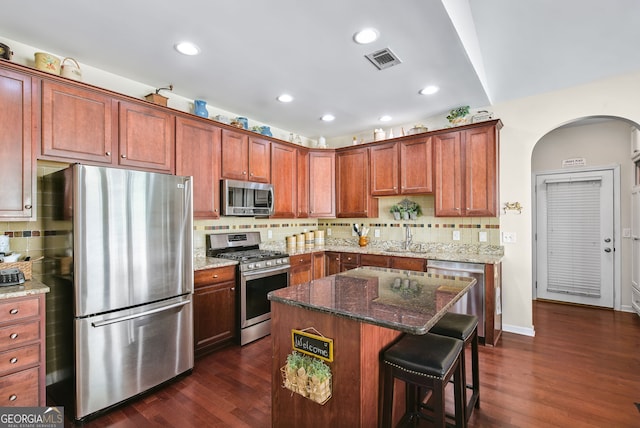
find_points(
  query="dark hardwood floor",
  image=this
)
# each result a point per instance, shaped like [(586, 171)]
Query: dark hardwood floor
[(581, 370)]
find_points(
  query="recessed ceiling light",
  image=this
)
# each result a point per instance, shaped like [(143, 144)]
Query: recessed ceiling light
[(328, 117), (187, 48), (285, 98), (429, 90), (366, 35), (385, 118)]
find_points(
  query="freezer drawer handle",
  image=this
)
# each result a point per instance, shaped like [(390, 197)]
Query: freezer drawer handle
[(132, 316)]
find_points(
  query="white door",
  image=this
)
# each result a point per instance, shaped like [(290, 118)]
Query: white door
[(575, 246)]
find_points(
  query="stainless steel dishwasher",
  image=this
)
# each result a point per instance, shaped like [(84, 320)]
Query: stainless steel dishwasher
[(471, 303)]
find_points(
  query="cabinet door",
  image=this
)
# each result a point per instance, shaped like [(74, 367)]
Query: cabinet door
[(234, 161), (284, 180), (384, 170), (197, 154), (260, 160), (214, 315), (375, 260), (481, 171), (409, 263), (416, 166), (147, 138), (16, 165), (302, 179), (300, 271), (353, 198), (448, 168), (332, 262), (322, 189), (78, 124), (317, 262)]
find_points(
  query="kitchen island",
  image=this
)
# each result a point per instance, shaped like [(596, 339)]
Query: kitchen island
[(362, 311)]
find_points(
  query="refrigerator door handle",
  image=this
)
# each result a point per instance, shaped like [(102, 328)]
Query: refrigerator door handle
[(132, 316)]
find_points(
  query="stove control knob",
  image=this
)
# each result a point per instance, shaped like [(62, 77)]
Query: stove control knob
[(269, 263), (279, 261), (250, 266)]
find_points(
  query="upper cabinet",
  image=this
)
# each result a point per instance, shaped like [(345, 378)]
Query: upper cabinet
[(81, 124), (353, 197), (466, 172), (17, 192), (284, 180), (402, 168), (302, 184), (322, 184), (198, 155), (245, 158)]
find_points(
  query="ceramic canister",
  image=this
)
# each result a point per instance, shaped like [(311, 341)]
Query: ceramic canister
[(300, 241), (309, 240)]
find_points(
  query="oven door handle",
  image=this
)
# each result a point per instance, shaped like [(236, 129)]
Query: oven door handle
[(283, 268)]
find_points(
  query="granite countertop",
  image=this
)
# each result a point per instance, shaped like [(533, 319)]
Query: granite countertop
[(30, 287), (408, 301), (203, 262)]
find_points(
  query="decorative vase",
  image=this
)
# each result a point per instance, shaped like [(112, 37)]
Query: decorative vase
[(200, 108)]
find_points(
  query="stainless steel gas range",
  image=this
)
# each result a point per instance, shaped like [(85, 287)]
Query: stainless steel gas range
[(258, 273)]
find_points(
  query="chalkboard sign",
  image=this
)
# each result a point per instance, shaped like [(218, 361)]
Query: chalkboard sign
[(312, 344)]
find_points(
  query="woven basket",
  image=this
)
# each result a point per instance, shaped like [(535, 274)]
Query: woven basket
[(25, 267)]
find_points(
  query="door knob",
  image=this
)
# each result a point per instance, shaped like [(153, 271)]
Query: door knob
[(607, 250)]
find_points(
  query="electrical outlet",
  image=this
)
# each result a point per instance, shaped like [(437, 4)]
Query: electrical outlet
[(328, 232), (269, 234), (508, 237), (482, 236), (456, 235), (376, 233)]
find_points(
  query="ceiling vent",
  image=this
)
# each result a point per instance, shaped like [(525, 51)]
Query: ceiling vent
[(383, 59)]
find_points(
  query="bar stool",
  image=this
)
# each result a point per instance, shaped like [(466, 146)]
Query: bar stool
[(424, 361), (465, 328)]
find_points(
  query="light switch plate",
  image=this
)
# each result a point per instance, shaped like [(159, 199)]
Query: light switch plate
[(328, 232), (456, 235), (269, 234), (376, 233), (626, 232), (482, 236)]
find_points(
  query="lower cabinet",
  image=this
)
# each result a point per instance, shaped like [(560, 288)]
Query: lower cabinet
[(493, 303), (300, 271), (409, 263), (214, 303), (375, 260), (22, 347)]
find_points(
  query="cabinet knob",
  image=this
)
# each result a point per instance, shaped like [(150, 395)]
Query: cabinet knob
[(244, 172), (233, 289), (215, 275), (123, 156), (13, 360), (28, 207), (108, 153), (13, 336), (13, 397), (13, 311)]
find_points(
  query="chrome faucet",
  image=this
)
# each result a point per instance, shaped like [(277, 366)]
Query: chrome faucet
[(407, 237)]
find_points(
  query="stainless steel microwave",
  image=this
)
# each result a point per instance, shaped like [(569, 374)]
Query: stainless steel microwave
[(246, 198)]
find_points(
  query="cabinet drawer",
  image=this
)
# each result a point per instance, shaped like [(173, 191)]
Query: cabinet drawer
[(14, 335), (300, 259), (19, 389), (16, 309), (350, 258), (19, 358), (375, 260), (211, 276), (409, 263)]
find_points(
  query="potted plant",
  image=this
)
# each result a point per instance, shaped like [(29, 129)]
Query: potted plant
[(414, 211), (395, 210), (307, 376), (457, 115)]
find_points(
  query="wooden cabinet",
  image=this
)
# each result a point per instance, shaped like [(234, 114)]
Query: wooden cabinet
[(466, 172), (78, 124), (214, 303), (284, 180), (317, 264), (409, 263), (198, 155), (332, 262), (146, 137), (322, 189), (22, 351), (302, 179), (493, 303), (349, 261), (301, 270), (17, 170), (245, 158), (353, 196), (402, 168), (81, 124), (375, 260)]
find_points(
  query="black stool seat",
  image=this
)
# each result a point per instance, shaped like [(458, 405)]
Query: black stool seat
[(458, 326), (464, 327), (424, 361)]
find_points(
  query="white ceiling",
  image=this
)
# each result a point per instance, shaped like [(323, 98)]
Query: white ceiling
[(254, 50)]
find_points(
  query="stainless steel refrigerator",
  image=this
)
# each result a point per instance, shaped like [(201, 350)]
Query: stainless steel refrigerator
[(118, 260)]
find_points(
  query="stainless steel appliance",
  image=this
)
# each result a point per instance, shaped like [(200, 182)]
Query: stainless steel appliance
[(471, 303), (258, 273), (245, 198), (119, 318)]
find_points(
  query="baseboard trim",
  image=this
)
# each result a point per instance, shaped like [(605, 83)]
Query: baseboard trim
[(524, 331)]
